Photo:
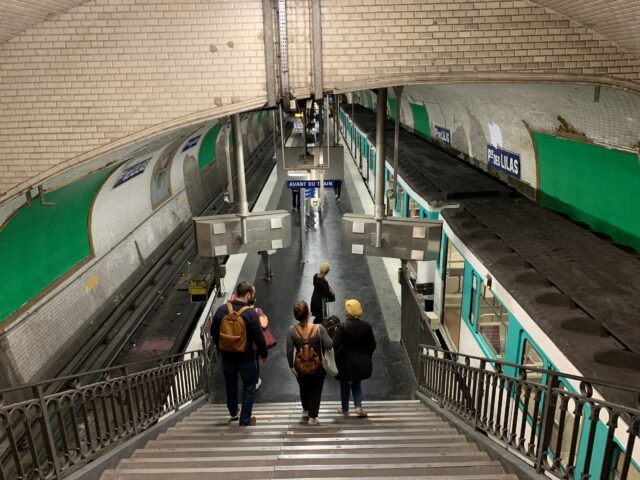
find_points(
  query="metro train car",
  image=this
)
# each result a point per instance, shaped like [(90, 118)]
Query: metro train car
[(516, 282)]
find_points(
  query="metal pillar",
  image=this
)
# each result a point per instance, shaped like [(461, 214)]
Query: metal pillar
[(281, 132), (316, 27), (381, 151), (284, 53), (227, 151), (396, 144), (243, 205), (267, 17)]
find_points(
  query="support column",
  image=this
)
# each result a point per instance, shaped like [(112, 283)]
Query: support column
[(227, 131), (243, 205), (316, 27), (381, 151), (269, 56), (396, 144)]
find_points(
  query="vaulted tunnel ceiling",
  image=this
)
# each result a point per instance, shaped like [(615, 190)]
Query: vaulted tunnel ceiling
[(616, 20)]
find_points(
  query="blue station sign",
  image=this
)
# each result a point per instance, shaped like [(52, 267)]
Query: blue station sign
[(130, 172), (504, 161), (443, 134), (308, 183), (191, 143)]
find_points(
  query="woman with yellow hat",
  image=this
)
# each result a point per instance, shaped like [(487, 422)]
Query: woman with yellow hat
[(354, 343), (322, 293)]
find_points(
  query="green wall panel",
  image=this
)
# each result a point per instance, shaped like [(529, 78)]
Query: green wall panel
[(40, 244), (420, 120), (592, 184), (259, 118), (393, 103), (207, 154)]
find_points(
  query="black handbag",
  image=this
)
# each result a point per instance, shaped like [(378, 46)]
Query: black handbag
[(331, 297)]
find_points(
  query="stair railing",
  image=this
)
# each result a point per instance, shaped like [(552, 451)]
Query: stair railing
[(47, 436), (561, 430)]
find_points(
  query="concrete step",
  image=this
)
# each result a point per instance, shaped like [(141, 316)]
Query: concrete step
[(401, 439), (301, 459), (427, 449), (453, 471)]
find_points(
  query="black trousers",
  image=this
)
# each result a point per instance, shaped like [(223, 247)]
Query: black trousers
[(311, 391), (295, 196)]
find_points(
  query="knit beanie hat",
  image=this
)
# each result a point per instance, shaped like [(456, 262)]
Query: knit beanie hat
[(324, 267), (353, 308)]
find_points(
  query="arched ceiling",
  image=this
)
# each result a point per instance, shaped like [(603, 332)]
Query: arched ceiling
[(616, 20), (16, 16)]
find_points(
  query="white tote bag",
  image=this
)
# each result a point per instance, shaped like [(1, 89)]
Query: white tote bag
[(329, 362)]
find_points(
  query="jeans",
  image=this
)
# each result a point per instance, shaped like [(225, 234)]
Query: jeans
[(266, 263), (249, 374), (350, 386)]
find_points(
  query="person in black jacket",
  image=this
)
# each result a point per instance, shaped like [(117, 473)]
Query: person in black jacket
[(241, 363), (354, 344), (321, 292)]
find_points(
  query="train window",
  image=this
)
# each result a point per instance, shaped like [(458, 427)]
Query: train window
[(453, 292), (493, 321), (618, 461), (472, 303), (414, 208), (400, 200)]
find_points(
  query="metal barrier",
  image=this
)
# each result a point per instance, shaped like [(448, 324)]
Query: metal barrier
[(47, 435), (414, 327), (534, 413)]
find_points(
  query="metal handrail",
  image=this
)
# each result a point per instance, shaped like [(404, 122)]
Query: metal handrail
[(49, 435), (556, 429)]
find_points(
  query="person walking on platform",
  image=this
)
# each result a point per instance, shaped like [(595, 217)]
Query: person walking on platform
[(322, 293), (268, 272), (354, 343), (295, 196), (308, 340), (337, 188), (235, 329)]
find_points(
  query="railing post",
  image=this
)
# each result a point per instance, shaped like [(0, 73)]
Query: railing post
[(49, 444), (132, 415), (546, 421), (479, 391)]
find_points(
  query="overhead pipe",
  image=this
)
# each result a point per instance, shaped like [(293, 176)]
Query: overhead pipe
[(238, 153), (381, 151)]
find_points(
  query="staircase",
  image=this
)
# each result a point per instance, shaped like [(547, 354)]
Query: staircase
[(399, 439)]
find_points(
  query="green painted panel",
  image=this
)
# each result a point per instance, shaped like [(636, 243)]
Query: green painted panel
[(592, 184), (420, 120), (207, 153), (393, 104), (259, 118), (38, 244)]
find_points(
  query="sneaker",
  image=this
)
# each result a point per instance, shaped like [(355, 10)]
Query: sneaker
[(266, 278), (258, 384), (342, 411), (361, 412), (305, 413), (234, 418), (313, 422)]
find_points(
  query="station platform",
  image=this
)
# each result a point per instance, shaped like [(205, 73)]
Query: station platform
[(367, 279)]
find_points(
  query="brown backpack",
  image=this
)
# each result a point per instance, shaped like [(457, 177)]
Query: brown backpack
[(307, 361), (233, 331)]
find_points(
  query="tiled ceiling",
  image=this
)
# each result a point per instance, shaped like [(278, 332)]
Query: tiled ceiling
[(18, 15), (615, 20)]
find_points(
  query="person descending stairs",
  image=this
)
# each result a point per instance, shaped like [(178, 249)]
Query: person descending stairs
[(399, 439)]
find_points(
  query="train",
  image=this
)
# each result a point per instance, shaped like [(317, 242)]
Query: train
[(514, 281)]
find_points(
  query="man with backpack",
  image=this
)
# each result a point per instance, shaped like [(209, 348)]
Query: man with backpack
[(235, 329)]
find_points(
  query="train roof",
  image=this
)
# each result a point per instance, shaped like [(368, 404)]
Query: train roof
[(581, 290), (441, 177)]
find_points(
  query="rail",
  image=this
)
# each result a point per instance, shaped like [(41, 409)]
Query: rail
[(47, 436), (537, 413)]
